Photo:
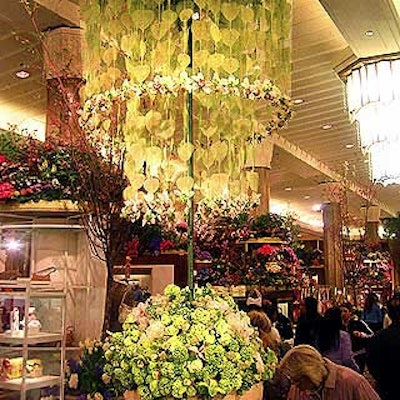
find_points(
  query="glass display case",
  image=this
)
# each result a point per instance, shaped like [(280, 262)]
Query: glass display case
[(32, 338)]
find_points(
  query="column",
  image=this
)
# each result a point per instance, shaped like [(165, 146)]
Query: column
[(259, 160), (63, 72), (371, 214), (334, 195)]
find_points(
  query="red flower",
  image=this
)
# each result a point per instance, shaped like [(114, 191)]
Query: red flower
[(6, 190), (132, 249), (166, 245), (266, 250), (2, 159)]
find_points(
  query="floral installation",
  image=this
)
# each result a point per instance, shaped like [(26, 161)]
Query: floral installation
[(85, 377), (31, 170), (367, 266), (273, 225), (174, 85), (187, 345), (276, 266), (309, 257)]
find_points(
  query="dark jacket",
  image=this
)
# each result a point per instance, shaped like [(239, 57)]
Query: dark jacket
[(383, 355), (307, 330)]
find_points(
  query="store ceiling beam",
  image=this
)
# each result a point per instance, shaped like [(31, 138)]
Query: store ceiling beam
[(302, 155)]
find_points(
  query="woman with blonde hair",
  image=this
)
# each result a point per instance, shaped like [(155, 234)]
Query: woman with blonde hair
[(315, 377), (268, 334)]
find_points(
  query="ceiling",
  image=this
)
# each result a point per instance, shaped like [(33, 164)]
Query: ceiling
[(326, 36)]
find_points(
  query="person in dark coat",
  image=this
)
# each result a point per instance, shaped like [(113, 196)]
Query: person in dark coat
[(360, 333), (383, 354), (308, 323)]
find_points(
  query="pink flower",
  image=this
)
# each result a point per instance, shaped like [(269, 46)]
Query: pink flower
[(6, 190)]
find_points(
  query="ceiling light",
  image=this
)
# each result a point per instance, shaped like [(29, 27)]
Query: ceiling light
[(369, 33), (316, 207), (326, 126), (373, 100), (288, 189), (306, 197), (298, 101), (349, 146), (22, 74)]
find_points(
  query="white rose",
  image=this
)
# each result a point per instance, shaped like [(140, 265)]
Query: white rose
[(73, 381)]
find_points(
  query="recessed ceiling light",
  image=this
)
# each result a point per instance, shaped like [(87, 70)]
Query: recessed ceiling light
[(22, 74), (349, 146), (369, 32), (316, 207), (326, 126), (306, 197), (288, 189), (298, 101)]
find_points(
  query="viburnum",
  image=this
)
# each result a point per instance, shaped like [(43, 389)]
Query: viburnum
[(182, 344)]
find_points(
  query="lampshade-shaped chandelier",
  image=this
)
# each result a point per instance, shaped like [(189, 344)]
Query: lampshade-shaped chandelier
[(373, 100)]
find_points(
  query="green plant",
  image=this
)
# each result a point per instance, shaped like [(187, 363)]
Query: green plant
[(184, 344), (391, 227)]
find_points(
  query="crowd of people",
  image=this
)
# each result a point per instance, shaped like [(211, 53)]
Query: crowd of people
[(340, 354)]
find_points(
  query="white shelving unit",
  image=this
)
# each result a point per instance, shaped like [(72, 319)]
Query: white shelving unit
[(47, 343)]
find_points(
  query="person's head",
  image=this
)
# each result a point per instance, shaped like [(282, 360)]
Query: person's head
[(272, 312), (346, 310), (259, 320), (305, 367), (393, 308), (310, 307), (370, 300), (254, 299)]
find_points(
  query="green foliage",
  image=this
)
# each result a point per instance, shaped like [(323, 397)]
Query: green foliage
[(391, 227), (185, 344)]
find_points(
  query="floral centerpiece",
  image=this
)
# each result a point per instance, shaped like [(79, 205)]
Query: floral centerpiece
[(187, 345)]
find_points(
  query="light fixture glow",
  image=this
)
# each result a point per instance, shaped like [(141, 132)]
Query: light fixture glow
[(317, 207), (13, 245), (373, 100), (298, 101), (22, 74), (369, 32), (288, 189), (326, 126), (349, 146)]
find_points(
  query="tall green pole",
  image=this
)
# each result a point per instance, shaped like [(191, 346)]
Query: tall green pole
[(189, 105)]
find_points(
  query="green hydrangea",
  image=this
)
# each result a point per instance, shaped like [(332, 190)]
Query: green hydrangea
[(185, 345)]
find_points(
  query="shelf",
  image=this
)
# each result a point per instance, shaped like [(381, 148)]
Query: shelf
[(41, 337), (262, 240), (30, 383)]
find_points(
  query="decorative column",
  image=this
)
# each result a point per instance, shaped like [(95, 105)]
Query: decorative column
[(260, 157), (63, 72), (371, 215), (333, 245)]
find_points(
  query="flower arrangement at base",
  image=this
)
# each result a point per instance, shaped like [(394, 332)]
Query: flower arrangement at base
[(187, 345), (85, 377)]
